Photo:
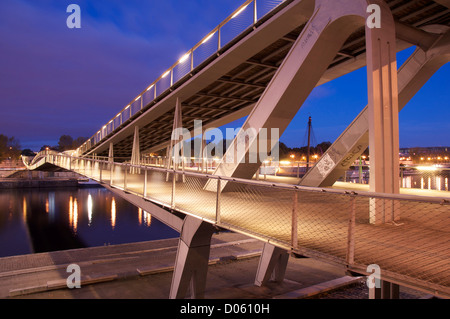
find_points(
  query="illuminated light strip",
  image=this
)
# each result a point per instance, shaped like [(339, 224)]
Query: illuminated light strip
[(239, 12), (137, 98), (426, 168), (208, 37), (165, 74), (184, 58)]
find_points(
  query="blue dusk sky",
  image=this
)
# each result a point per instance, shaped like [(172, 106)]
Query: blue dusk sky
[(55, 80)]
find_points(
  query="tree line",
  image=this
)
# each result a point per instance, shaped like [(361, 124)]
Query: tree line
[(65, 143), (10, 147)]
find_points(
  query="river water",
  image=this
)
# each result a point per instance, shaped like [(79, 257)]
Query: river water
[(44, 219)]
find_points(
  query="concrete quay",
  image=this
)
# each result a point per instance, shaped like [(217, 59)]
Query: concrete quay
[(144, 271)]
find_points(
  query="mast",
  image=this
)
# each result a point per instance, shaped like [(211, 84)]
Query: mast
[(309, 143)]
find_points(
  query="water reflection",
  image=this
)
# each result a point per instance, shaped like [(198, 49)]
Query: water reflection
[(37, 220), (428, 180), (144, 217), (89, 209), (113, 213)]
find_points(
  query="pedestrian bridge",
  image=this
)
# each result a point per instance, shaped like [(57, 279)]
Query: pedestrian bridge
[(265, 68)]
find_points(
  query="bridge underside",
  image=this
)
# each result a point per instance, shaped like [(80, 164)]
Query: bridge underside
[(228, 85), (267, 73)]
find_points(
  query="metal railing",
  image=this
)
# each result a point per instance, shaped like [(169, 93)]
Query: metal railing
[(411, 244), (243, 19)]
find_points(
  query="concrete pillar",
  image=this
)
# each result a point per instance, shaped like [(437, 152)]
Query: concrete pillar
[(191, 265), (135, 152), (383, 117), (272, 265), (412, 75), (111, 152), (387, 290), (177, 126)]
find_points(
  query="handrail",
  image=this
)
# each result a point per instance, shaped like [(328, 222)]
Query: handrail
[(170, 71), (281, 221), (434, 199)]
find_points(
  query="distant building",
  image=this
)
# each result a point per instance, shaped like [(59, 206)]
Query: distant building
[(418, 155)]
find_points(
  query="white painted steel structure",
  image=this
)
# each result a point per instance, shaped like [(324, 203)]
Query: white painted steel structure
[(266, 70)]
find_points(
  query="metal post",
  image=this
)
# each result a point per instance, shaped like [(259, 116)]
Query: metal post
[(294, 229), (111, 173), (360, 170), (125, 178), (265, 171), (309, 144), (219, 191), (218, 38), (351, 233), (255, 15), (174, 177), (145, 182), (100, 164)]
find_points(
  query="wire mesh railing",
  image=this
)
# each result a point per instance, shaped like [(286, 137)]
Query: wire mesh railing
[(407, 236), (235, 25)]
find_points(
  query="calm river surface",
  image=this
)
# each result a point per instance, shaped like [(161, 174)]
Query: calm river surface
[(44, 219)]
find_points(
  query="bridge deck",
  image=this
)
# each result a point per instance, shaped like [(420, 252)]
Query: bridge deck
[(416, 246)]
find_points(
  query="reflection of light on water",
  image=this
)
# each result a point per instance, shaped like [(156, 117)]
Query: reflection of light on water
[(46, 205), (140, 216), (89, 204), (113, 213), (70, 211), (73, 213), (51, 205), (146, 217), (24, 209), (408, 182)]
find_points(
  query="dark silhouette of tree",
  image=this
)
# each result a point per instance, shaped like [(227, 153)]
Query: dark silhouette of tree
[(65, 143), (9, 147)]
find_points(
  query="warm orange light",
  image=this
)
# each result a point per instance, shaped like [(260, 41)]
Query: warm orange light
[(113, 213)]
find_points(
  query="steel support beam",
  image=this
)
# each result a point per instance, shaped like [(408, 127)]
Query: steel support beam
[(135, 153), (191, 265), (272, 265), (321, 39), (382, 93), (412, 75)]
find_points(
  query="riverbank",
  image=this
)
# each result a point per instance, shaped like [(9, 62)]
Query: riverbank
[(144, 271), (20, 178)]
